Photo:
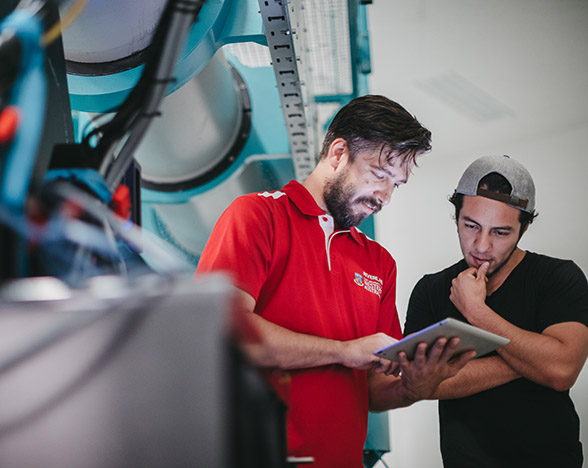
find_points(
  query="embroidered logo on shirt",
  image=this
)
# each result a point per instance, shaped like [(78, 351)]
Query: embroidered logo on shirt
[(274, 195), (370, 283)]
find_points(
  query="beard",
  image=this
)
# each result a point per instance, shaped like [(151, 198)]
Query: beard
[(504, 262), (339, 200)]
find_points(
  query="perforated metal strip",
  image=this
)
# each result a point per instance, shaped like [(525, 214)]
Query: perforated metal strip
[(281, 37)]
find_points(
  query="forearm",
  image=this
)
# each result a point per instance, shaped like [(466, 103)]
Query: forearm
[(542, 359), (419, 378), (278, 347), (553, 358), (477, 375), (285, 349), (387, 392)]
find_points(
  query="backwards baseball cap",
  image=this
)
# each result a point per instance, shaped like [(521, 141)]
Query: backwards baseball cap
[(522, 195)]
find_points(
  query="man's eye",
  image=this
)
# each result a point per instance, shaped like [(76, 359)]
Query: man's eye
[(502, 233), (379, 176)]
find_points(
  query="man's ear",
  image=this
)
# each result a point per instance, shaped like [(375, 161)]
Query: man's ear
[(337, 152)]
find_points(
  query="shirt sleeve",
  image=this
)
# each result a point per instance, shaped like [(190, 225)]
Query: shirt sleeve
[(564, 296), (240, 244)]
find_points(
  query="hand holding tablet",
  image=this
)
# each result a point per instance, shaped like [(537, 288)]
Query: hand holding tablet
[(470, 337)]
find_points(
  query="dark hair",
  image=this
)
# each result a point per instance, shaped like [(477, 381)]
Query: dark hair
[(375, 123), (495, 182)]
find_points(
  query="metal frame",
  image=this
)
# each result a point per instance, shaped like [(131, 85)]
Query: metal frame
[(281, 37)]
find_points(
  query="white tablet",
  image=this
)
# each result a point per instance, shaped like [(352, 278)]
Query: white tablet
[(470, 338)]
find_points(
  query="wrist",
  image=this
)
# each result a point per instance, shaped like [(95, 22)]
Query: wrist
[(475, 312), (340, 351), (408, 395)]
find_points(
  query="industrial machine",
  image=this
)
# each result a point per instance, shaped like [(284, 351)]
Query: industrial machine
[(126, 128)]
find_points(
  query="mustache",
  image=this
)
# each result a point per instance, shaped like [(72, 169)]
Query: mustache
[(377, 206)]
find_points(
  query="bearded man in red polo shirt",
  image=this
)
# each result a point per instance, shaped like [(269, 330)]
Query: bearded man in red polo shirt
[(321, 293)]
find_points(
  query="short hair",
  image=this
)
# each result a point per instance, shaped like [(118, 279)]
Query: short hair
[(375, 123), (494, 182)]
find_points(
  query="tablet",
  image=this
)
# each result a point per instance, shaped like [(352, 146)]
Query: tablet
[(470, 337)]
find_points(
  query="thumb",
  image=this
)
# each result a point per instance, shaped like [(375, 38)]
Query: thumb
[(482, 271)]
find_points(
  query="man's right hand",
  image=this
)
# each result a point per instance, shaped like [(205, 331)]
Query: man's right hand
[(359, 354), (278, 347)]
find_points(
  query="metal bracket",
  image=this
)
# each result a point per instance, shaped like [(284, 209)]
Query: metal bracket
[(284, 42)]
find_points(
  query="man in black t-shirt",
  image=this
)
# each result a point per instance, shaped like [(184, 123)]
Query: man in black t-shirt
[(511, 408)]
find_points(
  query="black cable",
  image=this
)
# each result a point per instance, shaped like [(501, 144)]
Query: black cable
[(10, 58), (118, 125), (175, 31), (140, 106)]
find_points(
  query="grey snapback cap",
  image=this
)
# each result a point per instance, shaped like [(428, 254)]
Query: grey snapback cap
[(522, 196)]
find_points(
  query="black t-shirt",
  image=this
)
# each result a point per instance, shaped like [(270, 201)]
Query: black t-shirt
[(521, 423)]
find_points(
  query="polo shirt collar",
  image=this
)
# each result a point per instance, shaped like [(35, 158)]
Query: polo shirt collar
[(302, 198), (307, 205), (355, 233)]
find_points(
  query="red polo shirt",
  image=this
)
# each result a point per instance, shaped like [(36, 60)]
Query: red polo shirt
[(281, 248)]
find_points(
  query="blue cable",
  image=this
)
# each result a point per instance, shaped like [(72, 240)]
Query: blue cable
[(29, 96)]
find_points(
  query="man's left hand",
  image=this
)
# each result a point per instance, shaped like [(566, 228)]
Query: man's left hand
[(421, 376)]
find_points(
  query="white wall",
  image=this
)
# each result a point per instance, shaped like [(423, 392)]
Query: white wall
[(530, 56), (418, 229)]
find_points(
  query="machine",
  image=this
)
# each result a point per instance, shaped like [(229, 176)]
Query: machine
[(126, 128)]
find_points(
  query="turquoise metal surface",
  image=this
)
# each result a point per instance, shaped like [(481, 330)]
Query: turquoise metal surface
[(267, 136), (362, 49), (28, 95), (378, 437), (219, 22)]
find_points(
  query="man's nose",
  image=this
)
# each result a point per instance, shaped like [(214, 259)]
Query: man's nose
[(483, 242), (384, 194)]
